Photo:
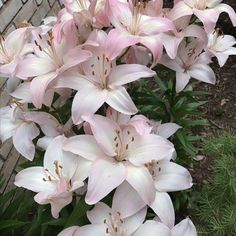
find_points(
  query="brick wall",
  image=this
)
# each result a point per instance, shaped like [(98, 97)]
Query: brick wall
[(13, 12)]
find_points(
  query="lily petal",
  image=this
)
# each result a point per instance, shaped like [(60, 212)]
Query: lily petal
[(22, 139), (124, 74), (168, 129), (104, 131), (182, 80), (141, 180), (39, 86), (120, 100), (32, 178), (85, 146), (132, 223), (85, 104), (149, 147), (203, 73), (153, 228), (117, 41), (104, 177), (184, 228), (163, 207), (100, 212), (55, 154), (172, 177), (132, 204)]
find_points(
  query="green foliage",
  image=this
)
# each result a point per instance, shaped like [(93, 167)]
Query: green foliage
[(158, 100), (20, 215), (215, 205)]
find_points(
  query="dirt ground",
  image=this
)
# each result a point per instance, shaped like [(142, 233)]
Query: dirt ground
[(220, 109)]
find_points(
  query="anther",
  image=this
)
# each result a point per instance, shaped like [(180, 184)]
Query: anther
[(49, 43), (127, 146), (44, 180)]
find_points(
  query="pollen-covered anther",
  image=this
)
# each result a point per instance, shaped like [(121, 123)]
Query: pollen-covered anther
[(58, 167), (40, 48), (49, 43)]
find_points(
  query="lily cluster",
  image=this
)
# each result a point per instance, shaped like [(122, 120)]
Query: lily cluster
[(86, 57)]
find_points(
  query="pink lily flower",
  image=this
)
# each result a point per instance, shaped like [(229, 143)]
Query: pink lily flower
[(142, 124), (90, 14), (165, 130), (54, 183), (49, 60), (104, 79), (69, 231), (80, 17), (153, 228), (138, 55), (23, 95), (131, 20), (168, 177), (207, 11), (221, 46), (11, 50), (107, 221), (104, 221), (13, 123), (50, 127), (190, 62), (47, 25), (64, 26), (171, 41), (117, 155)]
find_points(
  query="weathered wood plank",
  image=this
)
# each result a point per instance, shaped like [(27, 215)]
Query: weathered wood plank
[(8, 167)]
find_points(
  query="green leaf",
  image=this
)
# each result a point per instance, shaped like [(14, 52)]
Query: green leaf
[(160, 83), (4, 199), (12, 224), (187, 123), (58, 222), (79, 211)]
